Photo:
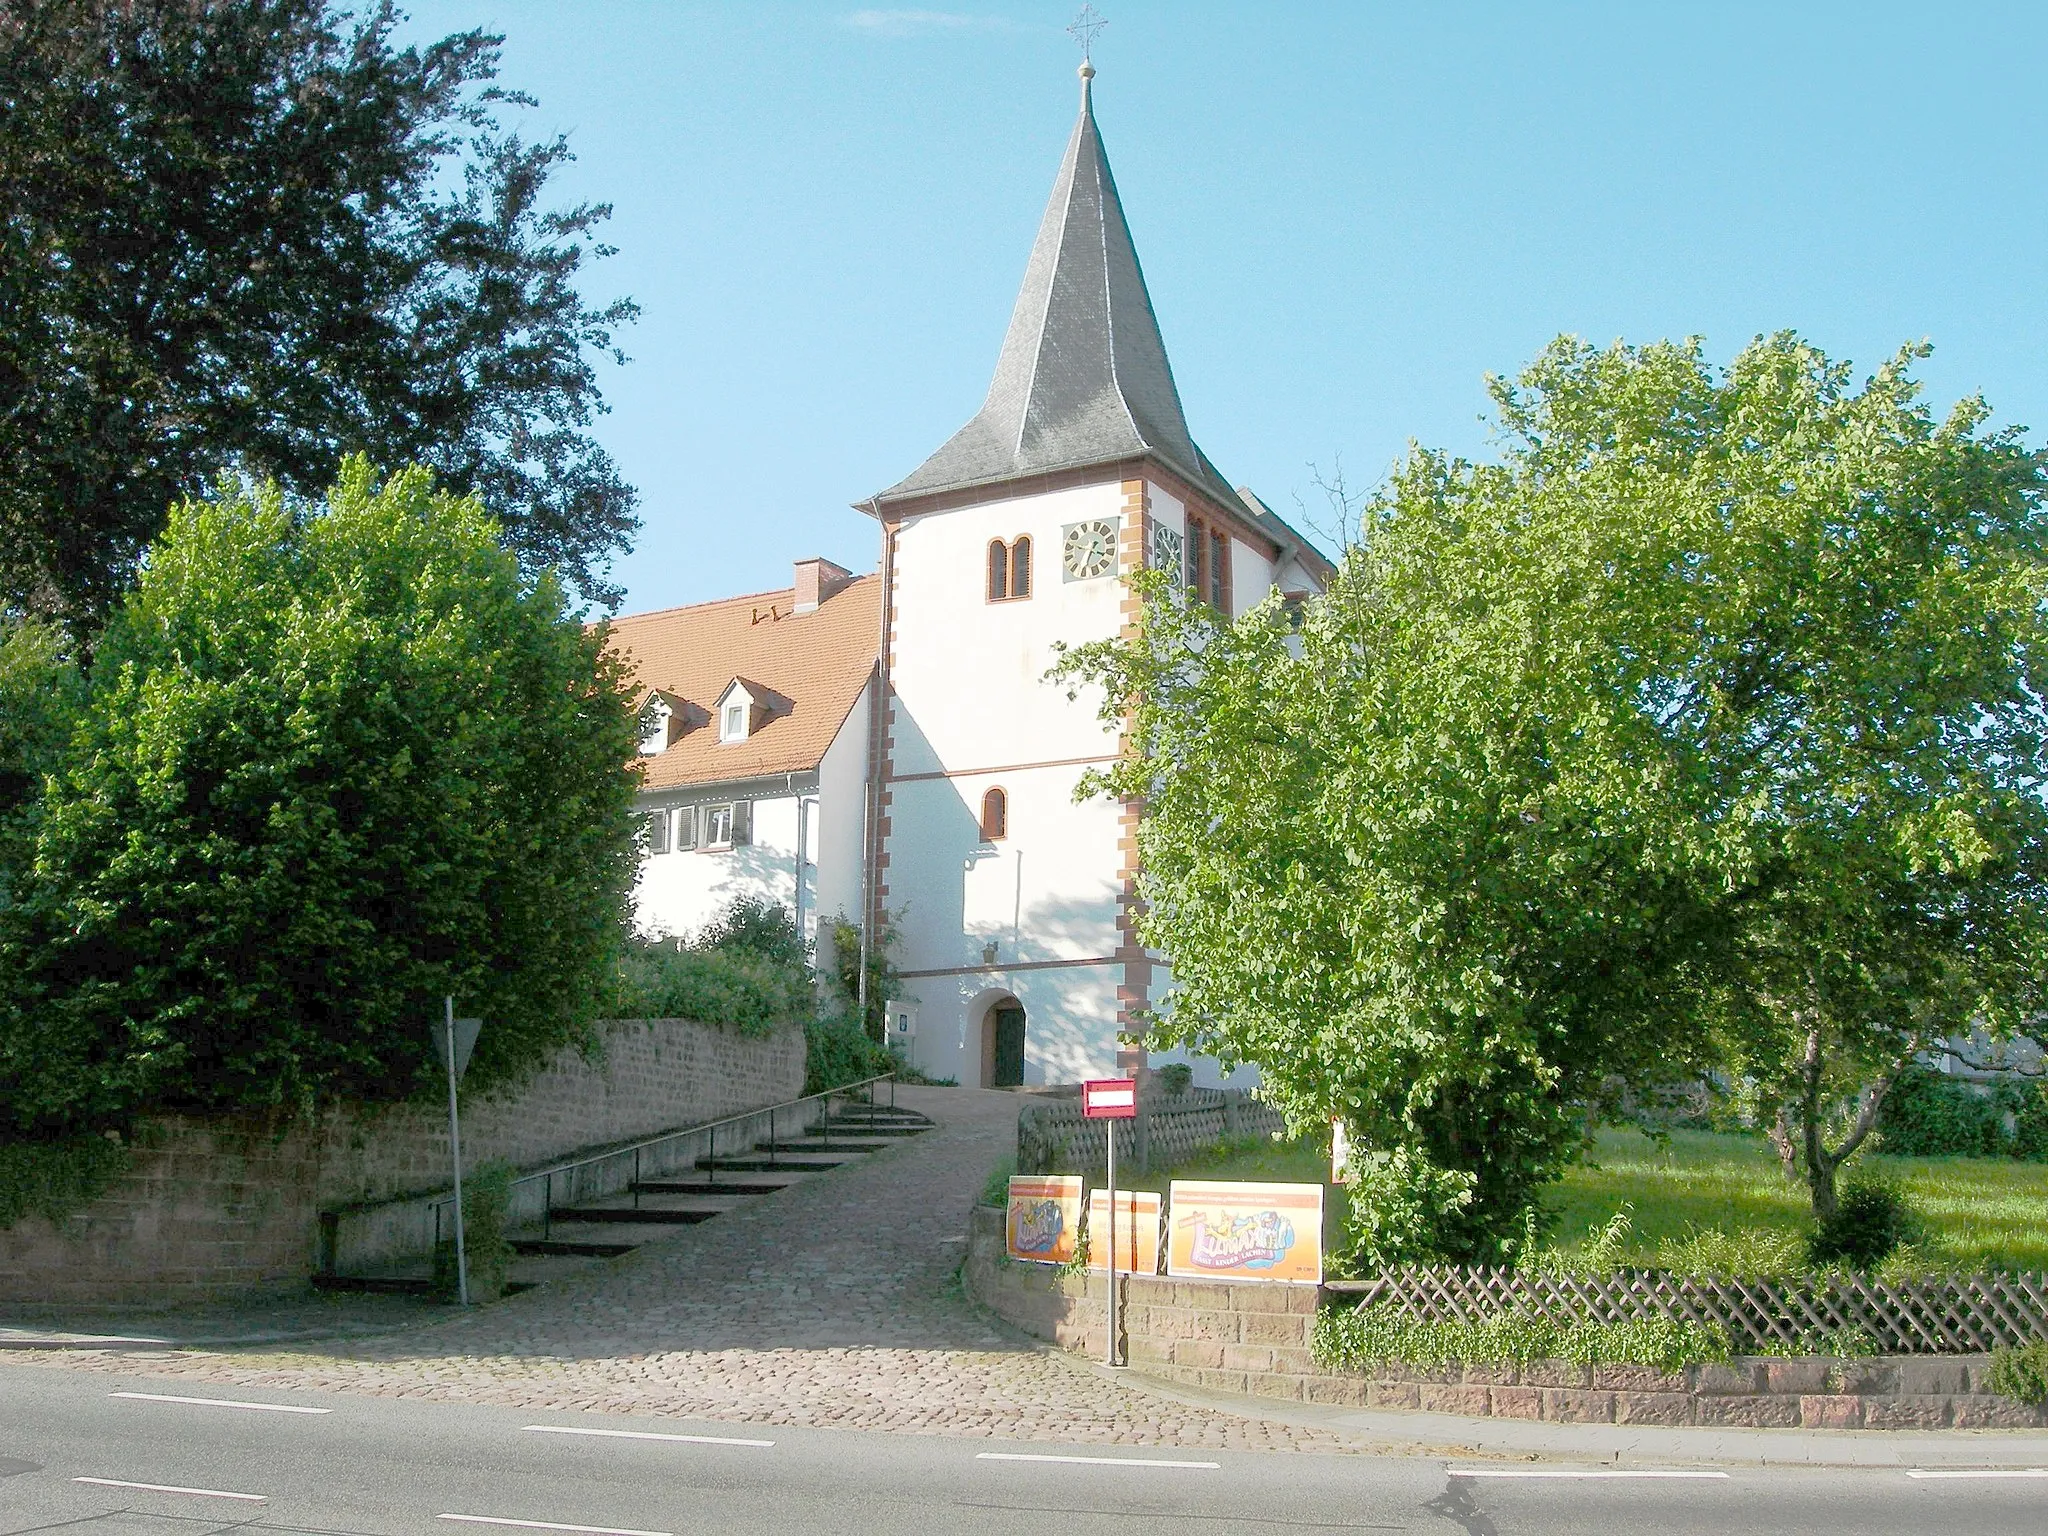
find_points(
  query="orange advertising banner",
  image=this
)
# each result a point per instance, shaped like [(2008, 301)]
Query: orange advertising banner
[(1137, 1231), (1043, 1222), (1246, 1232)]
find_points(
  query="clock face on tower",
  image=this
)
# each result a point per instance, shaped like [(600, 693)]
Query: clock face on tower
[(1089, 550)]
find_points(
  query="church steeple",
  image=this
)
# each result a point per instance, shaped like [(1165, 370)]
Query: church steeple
[(1083, 377)]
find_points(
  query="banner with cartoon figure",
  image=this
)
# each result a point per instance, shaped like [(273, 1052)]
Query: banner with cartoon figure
[(1246, 1232), (1137, 1231), (1044, 1218)]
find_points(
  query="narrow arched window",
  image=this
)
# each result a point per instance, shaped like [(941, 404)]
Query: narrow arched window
[(1020, 567), (998, 570), (995, 816)]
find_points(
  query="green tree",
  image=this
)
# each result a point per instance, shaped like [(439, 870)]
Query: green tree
[(333, 766), (255, 234), (41, 693), (1705, 719)]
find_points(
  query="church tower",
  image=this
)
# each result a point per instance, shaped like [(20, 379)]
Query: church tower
[(1012, 908)]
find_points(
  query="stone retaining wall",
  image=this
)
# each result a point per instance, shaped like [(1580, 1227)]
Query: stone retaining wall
[(1253, 1337), (221, 1207)]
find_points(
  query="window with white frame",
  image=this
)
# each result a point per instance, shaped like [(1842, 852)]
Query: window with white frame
[(732, 724), (717, 826)]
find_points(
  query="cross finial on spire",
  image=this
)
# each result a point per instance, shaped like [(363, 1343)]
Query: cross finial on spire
[(1086, 25)]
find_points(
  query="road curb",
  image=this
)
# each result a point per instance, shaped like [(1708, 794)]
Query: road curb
[(1614, 1444)]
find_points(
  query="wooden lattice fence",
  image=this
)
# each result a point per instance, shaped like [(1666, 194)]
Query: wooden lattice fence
[(1054, 1137), (1935, 1316)]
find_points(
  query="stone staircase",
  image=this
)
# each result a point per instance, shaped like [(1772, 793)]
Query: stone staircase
[(576, 1234)]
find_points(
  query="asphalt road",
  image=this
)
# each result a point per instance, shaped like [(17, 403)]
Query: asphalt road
[(94, 1455)]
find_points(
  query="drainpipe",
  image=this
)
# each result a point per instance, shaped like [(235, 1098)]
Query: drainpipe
[(789, 788), (877, 723)]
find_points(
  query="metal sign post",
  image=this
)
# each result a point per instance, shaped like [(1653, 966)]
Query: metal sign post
[(1111, 1099), (454, 1040)]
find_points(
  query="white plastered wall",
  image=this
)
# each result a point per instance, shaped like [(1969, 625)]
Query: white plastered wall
[(679, 893), (973, 711)]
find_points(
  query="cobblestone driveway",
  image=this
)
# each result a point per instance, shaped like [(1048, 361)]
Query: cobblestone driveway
[(834, 1303)]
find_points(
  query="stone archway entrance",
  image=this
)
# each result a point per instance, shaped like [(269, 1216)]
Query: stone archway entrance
[(1002, 1044)]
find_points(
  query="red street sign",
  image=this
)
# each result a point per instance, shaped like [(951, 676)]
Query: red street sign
[(1110, 1098)]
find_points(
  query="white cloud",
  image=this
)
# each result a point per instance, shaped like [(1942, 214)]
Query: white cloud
[(894, 23)]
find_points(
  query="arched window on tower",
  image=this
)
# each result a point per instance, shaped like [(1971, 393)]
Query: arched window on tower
[(1009, 569), (995, 816)]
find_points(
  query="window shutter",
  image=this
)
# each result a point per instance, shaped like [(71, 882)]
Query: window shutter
[(686, 828), (742, 823), (654, 832)]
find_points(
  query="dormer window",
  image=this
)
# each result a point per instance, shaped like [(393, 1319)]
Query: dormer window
[(664, 719), (745, 707)]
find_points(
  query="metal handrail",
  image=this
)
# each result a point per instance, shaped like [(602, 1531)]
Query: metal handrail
[(548, 1175)]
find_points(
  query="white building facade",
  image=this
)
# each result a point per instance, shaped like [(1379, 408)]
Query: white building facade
[(1007, 904)]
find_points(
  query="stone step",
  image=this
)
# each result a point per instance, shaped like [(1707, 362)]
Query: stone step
[(643, 1215), (857, 1129), (798, 1160), (713, 1186), (822, 1144), (582, 1248)]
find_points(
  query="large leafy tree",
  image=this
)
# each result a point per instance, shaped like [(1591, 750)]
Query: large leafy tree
[(1705, 724), (258, 235), (332, 766)]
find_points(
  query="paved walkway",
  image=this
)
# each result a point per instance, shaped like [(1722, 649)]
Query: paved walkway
[(835, 1303)]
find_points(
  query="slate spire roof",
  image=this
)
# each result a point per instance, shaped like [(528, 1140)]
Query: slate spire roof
[(1083, 377)]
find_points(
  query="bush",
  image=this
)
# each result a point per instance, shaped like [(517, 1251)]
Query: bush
[(1352, 1338), (486, 1251), (1871, 1218), (52, 1179), (660, 979), (753, 925), (1927, 1114), (2022, 1374), (332, 767), (1176, 1078), (837, 1052)]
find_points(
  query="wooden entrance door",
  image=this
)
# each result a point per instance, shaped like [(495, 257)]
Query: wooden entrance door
[(1006, 1068)]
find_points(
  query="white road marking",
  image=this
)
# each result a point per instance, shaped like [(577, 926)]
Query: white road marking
[(549, 1525), (218, 1402), (640, 1434), (1980, 1472), (1578, 1472), (1096, 1461), (200, 1493)]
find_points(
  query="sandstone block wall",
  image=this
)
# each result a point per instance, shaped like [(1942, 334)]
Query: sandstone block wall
[(221, 1207), (1253, 1338)]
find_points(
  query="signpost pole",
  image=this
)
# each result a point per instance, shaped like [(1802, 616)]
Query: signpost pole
[(455, 1144), (1110, 1099), (1110, 1127)]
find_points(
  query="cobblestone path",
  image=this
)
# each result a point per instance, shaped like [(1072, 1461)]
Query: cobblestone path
[(834, 1303)]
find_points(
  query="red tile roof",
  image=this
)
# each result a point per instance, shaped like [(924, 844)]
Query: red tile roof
[(819, 661)]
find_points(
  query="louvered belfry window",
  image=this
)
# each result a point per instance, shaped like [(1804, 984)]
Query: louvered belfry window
[(1009, 569)]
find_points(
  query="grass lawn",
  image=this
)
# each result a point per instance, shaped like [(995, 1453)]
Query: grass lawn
[(1981, 1213), (1711, 1201)]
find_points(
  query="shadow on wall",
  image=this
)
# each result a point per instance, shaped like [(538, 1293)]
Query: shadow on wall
[(767, 874)]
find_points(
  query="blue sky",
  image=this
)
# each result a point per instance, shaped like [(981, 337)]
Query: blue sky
[(1348, 216)]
